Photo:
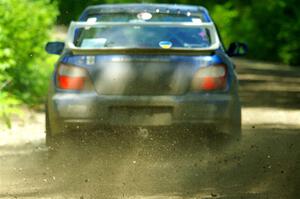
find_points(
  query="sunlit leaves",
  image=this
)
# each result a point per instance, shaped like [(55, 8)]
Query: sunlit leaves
[(25, 27), (24, 30)]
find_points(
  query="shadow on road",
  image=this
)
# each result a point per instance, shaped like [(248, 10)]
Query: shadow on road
[(268, 85)]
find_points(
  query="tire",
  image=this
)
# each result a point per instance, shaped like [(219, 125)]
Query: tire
[(220, 141), (51, 142), (54, 143), (222, 137), (48, 129)]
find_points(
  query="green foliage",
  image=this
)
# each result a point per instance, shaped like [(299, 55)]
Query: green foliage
[(24, 30), (226, 17), (71, 9), (270, 28)]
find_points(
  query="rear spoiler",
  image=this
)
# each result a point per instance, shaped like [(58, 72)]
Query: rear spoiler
[(70, 46)]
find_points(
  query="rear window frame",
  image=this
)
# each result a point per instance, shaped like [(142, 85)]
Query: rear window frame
[(70, 45)]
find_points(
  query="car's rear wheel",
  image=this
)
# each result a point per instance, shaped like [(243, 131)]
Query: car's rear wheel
[(227, 134), (72, 145), (49, 140), (218, 141), (54, 141)]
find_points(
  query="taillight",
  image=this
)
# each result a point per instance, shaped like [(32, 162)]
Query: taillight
[(210, 78), (72, 77)]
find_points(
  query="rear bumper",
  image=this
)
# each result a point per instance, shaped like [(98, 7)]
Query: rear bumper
[(91, 111)]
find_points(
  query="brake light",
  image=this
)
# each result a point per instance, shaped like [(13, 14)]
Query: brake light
[(71, 77), (210, 78)]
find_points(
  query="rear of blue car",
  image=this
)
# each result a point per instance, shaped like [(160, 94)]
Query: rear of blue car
[(143, 76)]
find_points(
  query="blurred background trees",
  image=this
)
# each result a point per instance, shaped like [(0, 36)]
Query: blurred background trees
[(270, 28)]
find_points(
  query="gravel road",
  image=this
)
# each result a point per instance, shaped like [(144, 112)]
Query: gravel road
[(264, 164)]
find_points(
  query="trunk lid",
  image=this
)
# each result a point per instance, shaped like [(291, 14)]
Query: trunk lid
[(142, 76)]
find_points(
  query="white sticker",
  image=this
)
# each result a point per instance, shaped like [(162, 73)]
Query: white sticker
[(92, 20), (144, 16), (93, 43), (196, 20)]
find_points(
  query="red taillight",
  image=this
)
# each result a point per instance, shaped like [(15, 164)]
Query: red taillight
[(72, 83), (71, 77), (210, 78)]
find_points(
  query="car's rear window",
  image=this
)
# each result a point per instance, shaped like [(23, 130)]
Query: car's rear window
[(142, 37)]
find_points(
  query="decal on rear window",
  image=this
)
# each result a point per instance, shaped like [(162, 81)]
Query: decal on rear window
[(144, 16), (165, 44)]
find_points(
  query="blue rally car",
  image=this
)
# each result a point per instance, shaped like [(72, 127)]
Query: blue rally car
[(152, 66)]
